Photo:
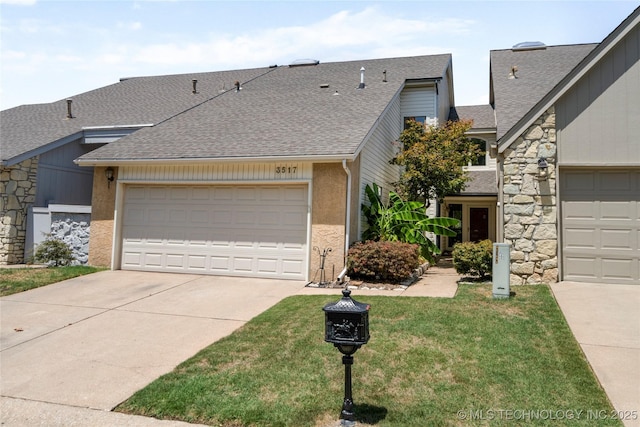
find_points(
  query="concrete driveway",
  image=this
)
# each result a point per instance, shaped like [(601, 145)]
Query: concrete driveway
[(93, 341), (605, 320)]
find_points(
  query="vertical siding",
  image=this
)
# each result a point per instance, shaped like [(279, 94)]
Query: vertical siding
[(235, 172), (597, 120), (62, 181)]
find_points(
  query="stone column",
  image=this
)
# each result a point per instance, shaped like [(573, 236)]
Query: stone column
[(17, 194), (530, 211)]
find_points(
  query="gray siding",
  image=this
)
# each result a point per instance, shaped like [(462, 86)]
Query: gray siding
[(419, 101), (443, 99), (379, 150), (598, 120), (60, 180)]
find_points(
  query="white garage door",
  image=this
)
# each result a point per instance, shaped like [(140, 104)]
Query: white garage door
[(601, 225), (256, 231)]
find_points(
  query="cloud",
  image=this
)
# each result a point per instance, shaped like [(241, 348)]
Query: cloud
[(334, 38)]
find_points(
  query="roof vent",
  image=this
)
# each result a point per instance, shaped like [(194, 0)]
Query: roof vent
[(529, 46), (69, 113), (304, 62), (361, 85), (195, 83)]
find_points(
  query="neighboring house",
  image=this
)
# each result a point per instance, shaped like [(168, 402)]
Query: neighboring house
[(246, 172), (41, 188), (568, 156), (475, 206)]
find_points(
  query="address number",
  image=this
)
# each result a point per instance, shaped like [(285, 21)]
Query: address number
[(286, 169)]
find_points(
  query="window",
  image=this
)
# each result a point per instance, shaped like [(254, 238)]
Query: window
[(419, 119), (481, 160)]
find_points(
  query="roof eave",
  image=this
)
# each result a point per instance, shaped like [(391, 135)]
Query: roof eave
[(41, 149), (202, 160)]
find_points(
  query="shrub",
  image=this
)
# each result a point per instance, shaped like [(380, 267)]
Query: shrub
[(53, 252), (473, 259), (383, 260)]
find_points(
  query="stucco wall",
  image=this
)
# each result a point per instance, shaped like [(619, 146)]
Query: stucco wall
[(17, 193), (327, 219), (102, 210), (530, 209)]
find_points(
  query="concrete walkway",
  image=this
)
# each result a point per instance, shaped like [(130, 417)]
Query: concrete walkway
[(605, 319)]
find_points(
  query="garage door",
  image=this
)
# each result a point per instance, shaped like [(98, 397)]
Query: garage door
[(256, 231), (601, 225)]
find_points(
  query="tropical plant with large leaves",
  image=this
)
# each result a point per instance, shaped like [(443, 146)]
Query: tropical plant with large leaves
[(404, 221)]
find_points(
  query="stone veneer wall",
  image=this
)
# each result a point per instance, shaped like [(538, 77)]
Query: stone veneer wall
[(17, 193), (530, 211), (73, 229)]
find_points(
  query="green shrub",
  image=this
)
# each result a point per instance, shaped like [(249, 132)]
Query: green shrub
[(383, 260), (473, 259), (53, 252)]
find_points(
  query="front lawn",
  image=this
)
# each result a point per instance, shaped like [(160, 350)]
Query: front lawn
[(471, 360), (14, 280)]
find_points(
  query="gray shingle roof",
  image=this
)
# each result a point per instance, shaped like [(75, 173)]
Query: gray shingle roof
[(284, 112), (483, 116), (134, 101), (280, 111), (481, 182), (538, 71)]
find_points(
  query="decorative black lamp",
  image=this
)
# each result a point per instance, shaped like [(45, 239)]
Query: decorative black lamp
[(347, 328), (108, 172), (542, 168)]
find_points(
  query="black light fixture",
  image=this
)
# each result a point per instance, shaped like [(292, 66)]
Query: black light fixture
[(542, 168), (108, 172)]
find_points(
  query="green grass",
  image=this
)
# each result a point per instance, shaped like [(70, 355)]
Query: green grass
[(427, 360), (14, 280)]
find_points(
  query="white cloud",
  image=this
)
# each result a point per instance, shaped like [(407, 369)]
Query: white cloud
[(335, 38)]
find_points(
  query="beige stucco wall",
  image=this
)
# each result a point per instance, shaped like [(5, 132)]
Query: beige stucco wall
[(530, 209), (327, 219), (102, 211), (17, 194)]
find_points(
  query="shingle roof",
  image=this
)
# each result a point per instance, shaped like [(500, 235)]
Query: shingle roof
[(280, 111), (134, 101), (481, 182), (483, 116), (538, 71), (284, 112)]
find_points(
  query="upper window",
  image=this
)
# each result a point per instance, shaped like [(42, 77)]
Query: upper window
[(481, 160), (419, 119)]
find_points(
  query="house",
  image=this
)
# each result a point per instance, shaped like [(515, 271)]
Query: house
[(475, 206), (42, 189), (242, 172), (568, 157)]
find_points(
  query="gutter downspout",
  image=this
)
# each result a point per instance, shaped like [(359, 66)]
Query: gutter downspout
[(347, 224)]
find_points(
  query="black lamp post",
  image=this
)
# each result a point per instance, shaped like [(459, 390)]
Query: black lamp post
[(347, 328)]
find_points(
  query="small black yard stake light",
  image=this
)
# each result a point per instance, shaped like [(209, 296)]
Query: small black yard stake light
[(347, 328)]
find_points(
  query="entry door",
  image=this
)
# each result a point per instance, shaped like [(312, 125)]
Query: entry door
[(478, 224)]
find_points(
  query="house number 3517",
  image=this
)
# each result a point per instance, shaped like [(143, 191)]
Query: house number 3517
[(286, 169)]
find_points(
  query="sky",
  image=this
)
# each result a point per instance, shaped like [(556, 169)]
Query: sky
[(52, 50)]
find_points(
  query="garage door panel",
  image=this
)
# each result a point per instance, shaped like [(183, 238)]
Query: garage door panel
[(601, 226), (579, 238), (255, 231)]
